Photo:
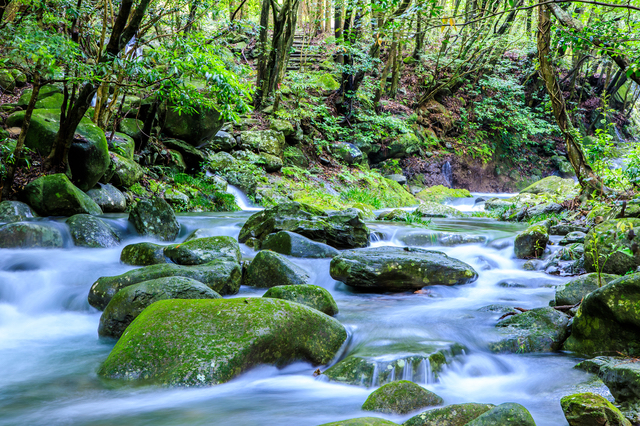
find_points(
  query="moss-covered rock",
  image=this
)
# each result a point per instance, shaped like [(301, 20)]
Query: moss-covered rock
[(191, 155), (283, 126), (448, 239), (143, 254), (91, 231), (576, 289), (220, 161), (292, 244), (30, 235), (610, 240), (347, 152), (608, 320), (399, 268), (55, 195), (14, 211), (88, 154), (405, 145), (341, 229), (552, 185), (293, 156), (222, 141), (328, 83), (108, 197), (207, 342), (271, 163), (220, 276), (531, 242), (575, 237), (131, 127), (204, 250), (451, 415), (537, 330), (429, 209), (129, 302), (122, 144), (268, 141), (7, 82), (192, 128), (585, 409), (126, 172), (622, 377), (507, 414), (269, 269), (396, 215), (45, 91), (400, 397), (155, 218), (440, 194), (312, 296), (362, 421)]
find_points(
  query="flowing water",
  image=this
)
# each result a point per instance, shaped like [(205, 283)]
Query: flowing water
[(50, 351)]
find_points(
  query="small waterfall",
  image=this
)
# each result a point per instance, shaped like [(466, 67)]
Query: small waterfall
[(407, 371), (242, 200), (447, 173)]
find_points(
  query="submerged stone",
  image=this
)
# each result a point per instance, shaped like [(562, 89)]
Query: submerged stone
[(204, 250), (30, 235), (90, 231), (309, 295), (400, 397), (143, 254), (270, 269)]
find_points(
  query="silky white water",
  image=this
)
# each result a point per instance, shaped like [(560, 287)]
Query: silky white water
[(50, 351)]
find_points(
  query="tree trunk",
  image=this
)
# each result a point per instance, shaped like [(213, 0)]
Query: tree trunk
[(327, 18), (417, 51), (338, 8), (3, 7), (17, 152), (588, 179), (385, 73), (263, 52)]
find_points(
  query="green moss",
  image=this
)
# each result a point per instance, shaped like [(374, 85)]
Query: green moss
[(309, 295), (588, 408), (440, 194), (451, 415), (400, 397)]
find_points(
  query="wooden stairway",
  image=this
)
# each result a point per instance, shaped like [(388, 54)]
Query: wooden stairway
[(303, 55)]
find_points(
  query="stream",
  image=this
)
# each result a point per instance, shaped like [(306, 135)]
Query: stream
[(50, 350)]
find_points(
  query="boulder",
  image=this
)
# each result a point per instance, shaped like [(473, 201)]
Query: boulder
[(451, 415), (126, 172), (207, 342), (575, 237), (220, 161), (109, 198), (155, 218), (222, 141), (395, 215), (552, 185), (204, 250), (192, 156), (122, 145), (91, 231), (576, 289), (531, 242), (566, 228), (537, 330), (14, 211), (622, 377), (608, 320), (362, 421), (292, 244), (343, 229), (347, 152), (440, 194), (400, 397), (30, 235), (283, 126), (191, 128), (220, 276), (45, 91), (312, 296), (88, 154), (399, 268), (129, 302), (293, 156), (7, 82), (429, 209), (405, 145), (543, 209), (267, 141), (143, 254), (396, 177), (507, 414), (269, 269), (55, 195), (132, 127), (271, 163), (588, 409), (615, 245)]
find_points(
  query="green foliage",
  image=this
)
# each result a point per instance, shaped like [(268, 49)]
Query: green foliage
[(205, 194)]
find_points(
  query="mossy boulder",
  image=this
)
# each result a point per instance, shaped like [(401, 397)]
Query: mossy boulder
[(30, 235), (347, 152), (292, 244), (220, 161), (451, 415), (126, 172), (537, 330), (362, 421), (608, 320), (222, 141), (207, 342), (267, 141), (611, 241), (108, 197), (88, 154), (328, 82), (283, 126), (396, 215), (552, 185), (531, 242), (399, 268), (122, 145), (204, 250), (155, 218), (45, 91), (440, 194), (55, 195), (343, 229), (220, 276), (192, 128), (400, 397), (191, 155), (54, 101), (269, 269), (293, 156), (129, 302), (622, 377), (312, 296), (586, 409), (131, 127), (429, 209), (403, 146), (91, 231), (575, 237), (14, 211), (507, 414), (7, 82), (143, 254), (271, 163), (576, 289)]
